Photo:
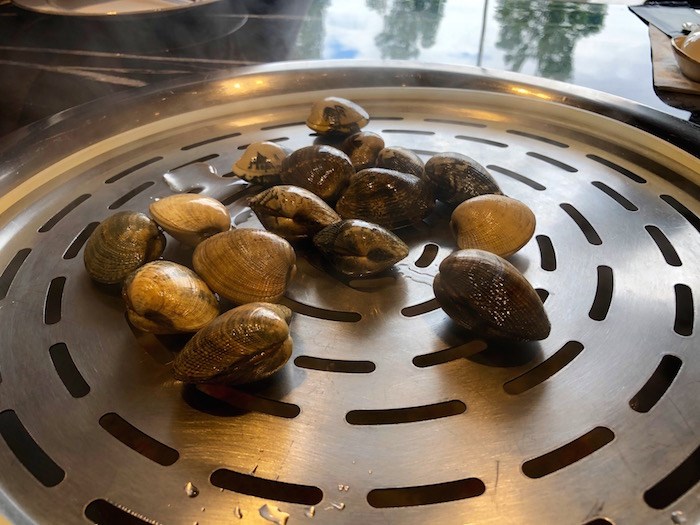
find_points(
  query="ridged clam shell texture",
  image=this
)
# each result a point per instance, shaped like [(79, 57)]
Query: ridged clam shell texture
[(487, 295), (400, 159), (336, 115), (363, 148), (457, 177), (190, 218), (245, 344), (323, 170)]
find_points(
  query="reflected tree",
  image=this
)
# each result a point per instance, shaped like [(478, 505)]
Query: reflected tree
[(546, 32), (311, 37), (408, 26)]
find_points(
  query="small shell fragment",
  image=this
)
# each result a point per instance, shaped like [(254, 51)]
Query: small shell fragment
[(336, 115), (261, 163), (190, 218), (457, 178)]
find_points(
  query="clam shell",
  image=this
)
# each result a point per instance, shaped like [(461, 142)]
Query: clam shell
[(190, 218), (120, 244), (261, 163), (401, 159), (385, 197), (495, 223), (457, 178), (245, 266), (245, 344), (362, 148), (486, 294), (292, 212), (321, 169), (164, 297), (336, 115), (359, 248)]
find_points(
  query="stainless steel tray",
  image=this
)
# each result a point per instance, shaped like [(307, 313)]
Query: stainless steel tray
[(386, 412)]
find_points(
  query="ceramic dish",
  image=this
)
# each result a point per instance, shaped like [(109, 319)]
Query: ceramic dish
[(689, 66)]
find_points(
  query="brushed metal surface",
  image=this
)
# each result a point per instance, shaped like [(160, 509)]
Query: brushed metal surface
[(608, 190)]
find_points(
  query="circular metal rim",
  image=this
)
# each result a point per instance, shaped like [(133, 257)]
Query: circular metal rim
[(45, 9)]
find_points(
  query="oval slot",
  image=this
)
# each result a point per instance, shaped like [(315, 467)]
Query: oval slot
[(545, 369), (537, 137), (657, 385), (480, 140), (450, 354), (409, 131), (265, 488), (132, 169), (548, 257), (616, 167), (137, 440), (688, 215), (552, 162), (603, 294), (428, 255), (28, 451), (568, 454), (335, 365), (614, 195), (586, 227), (67, 371), (665, 247), (677, 483), (105, 513), (237, 400), (278, 139), (420, 308), (54, 298), (195, 161), (10, 271), (685, 310), (456, 122), (517, 176), (121, 201), (599, 521), (286, 125), (426, 494), (542, 294), (80, 241), (209, 141), (394, 416), (320, 313), (65, 211)]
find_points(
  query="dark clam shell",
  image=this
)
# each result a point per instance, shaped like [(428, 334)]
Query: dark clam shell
[(385, 197), (486, 294), (245, 344), (457, 178), (400, 159), (359, 248), (323, 170), (362, 148)]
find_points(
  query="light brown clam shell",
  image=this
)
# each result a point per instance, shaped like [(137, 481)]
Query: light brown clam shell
[(246, 266), (245, 344), (261, 163), (400, 159), (486, 294), (359, 248), (163, 297), (385, 197), (321, 169), (292, 212), (495, 223), (190, 218), (336, 115), (457, 178), (362, 148), (120, 244)]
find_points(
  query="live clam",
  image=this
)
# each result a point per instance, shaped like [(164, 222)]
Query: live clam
[(386, 197), (245, 265), (362, 148), (120, 244), (487, 295), (321, 169), (359, 248), (164, 297), (261, 163), (495, 223), (457, 178), (400, 159), (292, 212), (190, 218), (336, 115), (245, 344)]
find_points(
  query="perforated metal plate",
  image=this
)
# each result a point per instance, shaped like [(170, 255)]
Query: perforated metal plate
[(386, 413)]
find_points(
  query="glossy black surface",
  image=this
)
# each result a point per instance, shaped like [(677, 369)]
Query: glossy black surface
[(50, 63)]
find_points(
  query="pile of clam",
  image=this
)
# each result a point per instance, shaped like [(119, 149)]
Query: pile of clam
[(346, 200)]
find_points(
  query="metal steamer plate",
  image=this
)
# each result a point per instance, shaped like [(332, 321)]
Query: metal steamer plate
[(386, 412)]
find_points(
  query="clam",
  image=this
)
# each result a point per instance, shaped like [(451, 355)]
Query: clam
[(261, 163), (358, 248), (292, 212), (190, 218), (245, 266), (335, 115), (495, 223), (245, 344), (164, 297), (120, 244), (457, 178), (386, 197), (486, 294), (362, 148), (323, 170), (400, 159)]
